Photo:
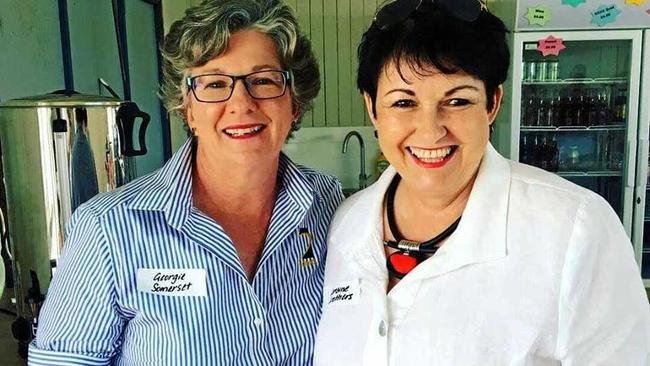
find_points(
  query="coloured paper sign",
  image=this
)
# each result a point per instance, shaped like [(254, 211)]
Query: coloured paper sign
[(550, 46), (573, 3), (605, 14), (539, 15)]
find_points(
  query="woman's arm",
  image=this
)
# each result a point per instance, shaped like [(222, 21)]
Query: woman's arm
[(79, 323), (604, 316)]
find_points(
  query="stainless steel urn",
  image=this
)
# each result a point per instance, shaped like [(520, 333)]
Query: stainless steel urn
[(58, 150)]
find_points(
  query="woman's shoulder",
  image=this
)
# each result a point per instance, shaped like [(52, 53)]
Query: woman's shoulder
[(121, 196), (326, 186), (317, 178), (357, 213), (540, 183), (537, 193)]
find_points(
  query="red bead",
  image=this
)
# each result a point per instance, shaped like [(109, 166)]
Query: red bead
[(402, 263)]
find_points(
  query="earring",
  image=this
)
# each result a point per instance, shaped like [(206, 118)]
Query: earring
[(195, 138), (376, 134)]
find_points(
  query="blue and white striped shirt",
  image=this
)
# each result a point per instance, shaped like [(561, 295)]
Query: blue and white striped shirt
[(95, 313)]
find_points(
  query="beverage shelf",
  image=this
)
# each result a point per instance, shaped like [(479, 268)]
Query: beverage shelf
[(612, 127), (585, 81), (594, 173)]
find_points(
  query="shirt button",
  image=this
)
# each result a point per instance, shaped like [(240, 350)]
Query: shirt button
[(382, 328), (258, 321)]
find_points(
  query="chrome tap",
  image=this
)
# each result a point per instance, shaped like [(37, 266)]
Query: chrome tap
[(362, 156)]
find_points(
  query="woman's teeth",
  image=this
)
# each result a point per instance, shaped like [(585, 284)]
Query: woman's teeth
[(431, 156), (238, 132)]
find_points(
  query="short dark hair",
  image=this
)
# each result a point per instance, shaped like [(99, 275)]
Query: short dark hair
[(431, 36)]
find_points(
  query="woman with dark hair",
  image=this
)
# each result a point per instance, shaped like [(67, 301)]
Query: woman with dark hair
[(456, 255), (218, 257)]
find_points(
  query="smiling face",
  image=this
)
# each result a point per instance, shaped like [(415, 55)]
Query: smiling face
[(433, 127), (242, 129)]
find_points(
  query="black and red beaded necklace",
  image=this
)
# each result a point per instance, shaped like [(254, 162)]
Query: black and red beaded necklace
[(409, 253)]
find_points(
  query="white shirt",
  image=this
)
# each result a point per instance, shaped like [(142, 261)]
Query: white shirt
[(538, 272)]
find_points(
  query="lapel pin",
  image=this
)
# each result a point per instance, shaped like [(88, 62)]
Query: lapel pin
[(308, 259)]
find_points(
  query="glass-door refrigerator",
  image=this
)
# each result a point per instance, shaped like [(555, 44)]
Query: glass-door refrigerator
[(576, 113), (641, 226)]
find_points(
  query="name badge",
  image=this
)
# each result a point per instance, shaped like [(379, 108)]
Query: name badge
[(344, 293), (172, 282)]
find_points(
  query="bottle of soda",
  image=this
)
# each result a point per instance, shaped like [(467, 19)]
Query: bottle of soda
[(542, 111), (561, 105), (535, 156), (617, 148), (553, 155), (592, 107), (543, 154), (529, 109), (569, 110), (553, 110), (524, 148), (604, 113), (581, 109), (561, 158), (620, 106)]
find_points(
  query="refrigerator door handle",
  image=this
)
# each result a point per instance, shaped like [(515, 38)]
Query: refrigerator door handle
[(630, 168), (644, 152)]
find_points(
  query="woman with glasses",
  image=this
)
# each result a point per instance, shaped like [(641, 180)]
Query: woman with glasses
[(456, 255), (218, 257)]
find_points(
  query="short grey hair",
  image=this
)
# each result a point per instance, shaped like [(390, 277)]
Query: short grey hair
[(203, 34)]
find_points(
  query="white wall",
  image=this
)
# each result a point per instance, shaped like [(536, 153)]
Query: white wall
[(320, 148)]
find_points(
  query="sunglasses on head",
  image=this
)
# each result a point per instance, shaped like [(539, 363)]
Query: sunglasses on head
[(398, 11)]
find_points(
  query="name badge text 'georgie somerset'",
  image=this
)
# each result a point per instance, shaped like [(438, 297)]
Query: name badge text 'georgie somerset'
[(172, 282)]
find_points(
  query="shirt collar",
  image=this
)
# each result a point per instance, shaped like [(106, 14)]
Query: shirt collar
[(480, 236), (170, 188), (482, 231)]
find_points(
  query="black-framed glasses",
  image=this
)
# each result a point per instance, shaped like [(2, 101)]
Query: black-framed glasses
[(215, 88), (399, 10)]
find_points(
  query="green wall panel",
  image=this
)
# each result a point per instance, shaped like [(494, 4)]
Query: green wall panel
[(358, 24), (335, 28), (316, 26), (344, 63), (330, 61), (30, 48), (303, 9), (93, 48), (143, 67)]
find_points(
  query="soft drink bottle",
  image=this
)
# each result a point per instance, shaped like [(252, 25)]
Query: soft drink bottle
[(553, 110), (604, 112), (570, 110), (620, 106), (581, 110), (529, 110), (592, 108), (542, 111)]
